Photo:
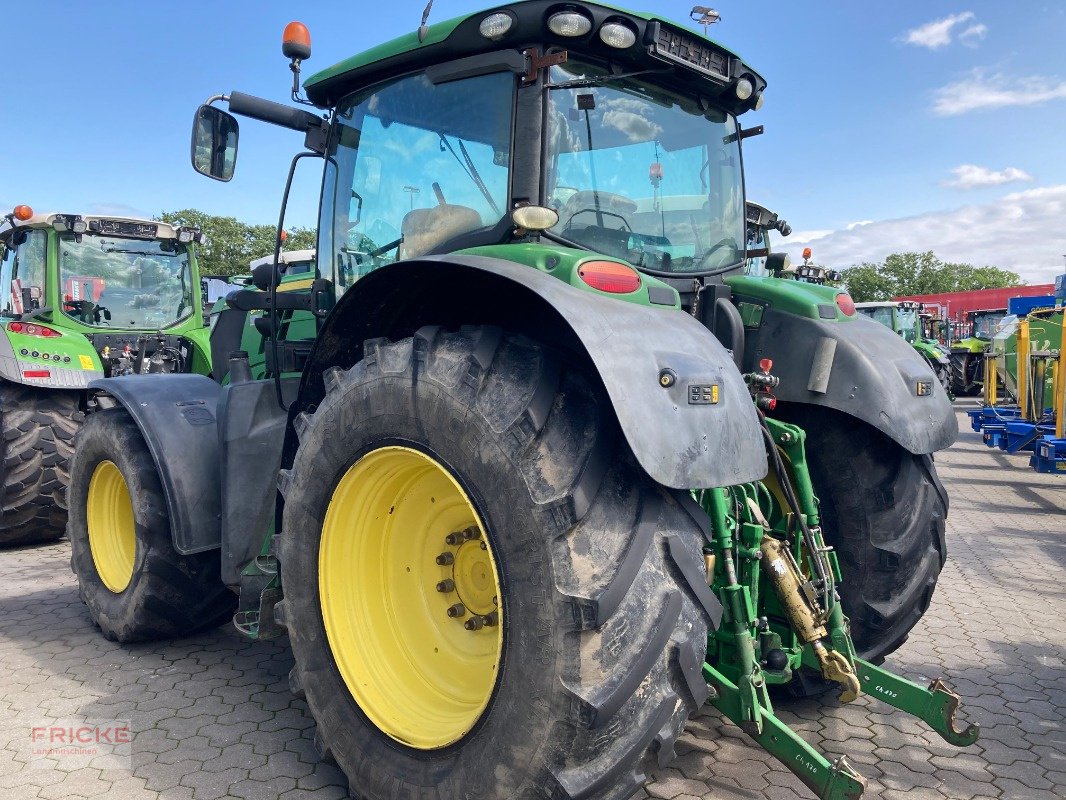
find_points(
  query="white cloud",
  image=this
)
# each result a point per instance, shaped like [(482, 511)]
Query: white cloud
[(973, 34), (980, 91), (1021, 232), (938, 33), (972, 176)]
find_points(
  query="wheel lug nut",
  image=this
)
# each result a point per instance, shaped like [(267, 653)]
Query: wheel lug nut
[(471, 533), (458, 610), (484, 546), (446, 585), (492, 618), (475, 623), (444, 559), (454, 538)]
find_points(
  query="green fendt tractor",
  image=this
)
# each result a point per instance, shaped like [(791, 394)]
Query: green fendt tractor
[(81, 297), (513, 502), (968, 352), (903, 318)]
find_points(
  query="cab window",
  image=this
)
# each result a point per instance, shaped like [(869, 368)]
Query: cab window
[(22, 273)]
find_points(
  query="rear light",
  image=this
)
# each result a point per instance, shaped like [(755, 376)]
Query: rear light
[(29, 329), (36, 373), (609, 276), (766, 364), (846, 304)]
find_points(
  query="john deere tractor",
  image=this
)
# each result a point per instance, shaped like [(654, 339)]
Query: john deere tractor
[(81, 298), (904, 318), (517, 507), (968, 352)]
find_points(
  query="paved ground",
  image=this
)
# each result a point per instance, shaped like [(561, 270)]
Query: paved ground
[(212, 716)]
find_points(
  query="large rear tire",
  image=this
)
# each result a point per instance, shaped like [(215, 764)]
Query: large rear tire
[(38, 427), (592, 663), (884, 514), (136, 586), (965, 374)]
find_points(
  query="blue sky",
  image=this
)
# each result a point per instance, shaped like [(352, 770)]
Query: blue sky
[(889, 126)]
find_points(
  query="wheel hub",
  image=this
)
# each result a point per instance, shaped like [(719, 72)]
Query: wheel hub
[(111, 526)]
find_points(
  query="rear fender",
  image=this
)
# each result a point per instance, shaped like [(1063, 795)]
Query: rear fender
[(679, 443), (858, 367)]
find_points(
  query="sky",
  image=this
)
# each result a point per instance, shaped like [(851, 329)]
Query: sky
[(890, 126)]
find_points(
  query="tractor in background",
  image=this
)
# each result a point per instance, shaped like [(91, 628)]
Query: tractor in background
[(903, 318), (968, 351), (82, 297), (530, 486)]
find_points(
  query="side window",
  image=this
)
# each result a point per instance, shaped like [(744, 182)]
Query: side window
[(412, 166), (22, 274)]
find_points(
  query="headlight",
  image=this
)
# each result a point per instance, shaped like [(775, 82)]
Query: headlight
[(614, 34), (759, 100), (535, 218), (184, 235), (494, 26), (744, 89), (569, 23)]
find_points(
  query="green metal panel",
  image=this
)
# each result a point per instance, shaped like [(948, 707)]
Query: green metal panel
[(792, 297)]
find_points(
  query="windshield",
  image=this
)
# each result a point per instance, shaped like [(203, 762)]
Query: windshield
[(113, 282), (644, 175), (412, 165), (984, 325), (907, 322), (882, 314)]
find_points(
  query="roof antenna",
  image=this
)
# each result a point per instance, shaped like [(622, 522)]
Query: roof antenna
[(423, 29), (701, 16)]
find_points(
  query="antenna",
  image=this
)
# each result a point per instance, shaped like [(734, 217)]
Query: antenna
[(702, 16), (423, 29)]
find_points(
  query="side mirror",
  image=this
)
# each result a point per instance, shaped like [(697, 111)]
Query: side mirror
[(264, 276), (214, 143), (776, 263)]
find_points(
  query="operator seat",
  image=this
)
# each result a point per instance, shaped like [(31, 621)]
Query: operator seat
[(425, 229)]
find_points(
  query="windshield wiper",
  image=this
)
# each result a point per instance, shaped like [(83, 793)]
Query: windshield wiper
[(137, 252), (467, 164), (600, 80)]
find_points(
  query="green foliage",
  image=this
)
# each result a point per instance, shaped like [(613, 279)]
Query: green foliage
[(232, 244), (903, 274)]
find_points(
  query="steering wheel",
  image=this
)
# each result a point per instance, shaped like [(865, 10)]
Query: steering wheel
[(729, 241)]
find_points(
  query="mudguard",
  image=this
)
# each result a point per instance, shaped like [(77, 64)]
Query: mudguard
[(658, 366), (858, 367), (177, 417)]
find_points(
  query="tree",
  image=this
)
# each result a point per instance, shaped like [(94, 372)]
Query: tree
[(904, 274), (231, 244)]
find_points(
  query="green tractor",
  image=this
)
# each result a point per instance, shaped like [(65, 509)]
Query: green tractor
[(82, 297), (527, 485), (903, 317), (968, 351)]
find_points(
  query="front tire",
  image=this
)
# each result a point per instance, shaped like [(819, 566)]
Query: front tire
[(603, 607), (136, 585), (883, 513), (38, 428)]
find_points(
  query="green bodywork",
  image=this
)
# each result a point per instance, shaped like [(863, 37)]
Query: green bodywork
[(789, 296)]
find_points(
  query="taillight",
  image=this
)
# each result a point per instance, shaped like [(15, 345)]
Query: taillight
[(29, 329), (609, 276), (846, 304), (36, 373)]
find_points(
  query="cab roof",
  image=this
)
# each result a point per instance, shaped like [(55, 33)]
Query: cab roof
[(164, 230), (459, 37)]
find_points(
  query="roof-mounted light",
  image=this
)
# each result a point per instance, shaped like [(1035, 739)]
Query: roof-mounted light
[(296, 41), (744, 89), (615, 34), (69, 222), (22, 213), (759, 100), (495, 26), (569, 24)]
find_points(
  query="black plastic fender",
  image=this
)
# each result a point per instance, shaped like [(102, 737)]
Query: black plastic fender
[(858, 367), (658, 366), (177, 417)]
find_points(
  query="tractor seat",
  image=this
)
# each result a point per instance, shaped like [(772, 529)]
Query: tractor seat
[(425, 229)]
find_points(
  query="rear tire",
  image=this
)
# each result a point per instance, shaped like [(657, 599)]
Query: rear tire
[(604, 608), (965, 377), (883, 514), (38, 440), (162, 594)]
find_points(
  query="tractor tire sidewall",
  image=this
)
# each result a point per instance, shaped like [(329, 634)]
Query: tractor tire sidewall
[(885, 518), (38, 428), (532, 730), (169, 594)]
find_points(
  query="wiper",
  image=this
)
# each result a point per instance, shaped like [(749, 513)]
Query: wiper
[(583, 83), (138, 252), (467, 164)]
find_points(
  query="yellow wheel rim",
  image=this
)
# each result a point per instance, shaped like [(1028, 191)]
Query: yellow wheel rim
[(410, 597), (112, 531)]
